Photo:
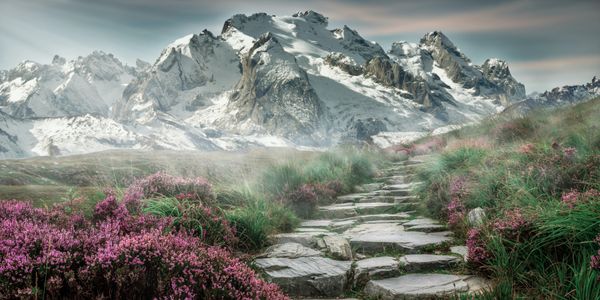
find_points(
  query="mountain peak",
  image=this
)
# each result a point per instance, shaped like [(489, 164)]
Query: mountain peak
[(58, 60), (437, 38), (313, 17)]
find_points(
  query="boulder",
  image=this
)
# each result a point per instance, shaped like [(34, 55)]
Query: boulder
[(338, 247)]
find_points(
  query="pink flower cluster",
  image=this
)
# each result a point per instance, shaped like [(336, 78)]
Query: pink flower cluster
[(527, 148), (574, 197), (476, 251), (303, 200), (595, 259), (161, 184), (513, 224), (569, 152), (456, 210), (114, 255)]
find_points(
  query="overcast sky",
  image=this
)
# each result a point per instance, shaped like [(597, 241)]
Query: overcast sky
[(547, 43)]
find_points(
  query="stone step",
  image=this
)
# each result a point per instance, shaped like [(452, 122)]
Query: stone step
[(403, 186), (423, 286), (372, 238), (354, 209), (369, 187), (351, 197), (375, 268), (428, 262), (312, 276), (426, 228)]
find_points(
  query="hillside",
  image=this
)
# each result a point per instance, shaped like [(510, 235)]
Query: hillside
[(523, 194)]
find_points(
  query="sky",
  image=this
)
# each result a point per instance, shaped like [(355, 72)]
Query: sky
[(547, 43)]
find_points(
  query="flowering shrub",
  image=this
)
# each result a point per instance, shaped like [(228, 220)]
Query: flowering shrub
[(595, 259), (303, 200), (513, 225), (117, 255), (161, 184), (527, 148), (573, 197), (476, 251), (569, 152), (456, 210), (209, 224)]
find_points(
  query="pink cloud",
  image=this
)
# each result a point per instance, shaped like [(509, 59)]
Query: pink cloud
[(385, 20)]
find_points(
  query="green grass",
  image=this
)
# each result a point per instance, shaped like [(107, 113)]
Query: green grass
[(522, 163)]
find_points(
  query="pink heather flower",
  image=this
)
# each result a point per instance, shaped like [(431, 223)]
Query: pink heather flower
[(569, 152), (456, 212), (476, 251), (570, 198), (512, 225), (527, 148), (120, 255), (458, 186)]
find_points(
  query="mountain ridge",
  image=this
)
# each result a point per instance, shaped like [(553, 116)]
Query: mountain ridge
[(264, 81)]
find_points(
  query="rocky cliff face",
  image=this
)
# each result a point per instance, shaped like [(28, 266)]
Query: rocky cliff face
[(557, 97), (187, 74), (275, 93), (492, 79), (86, 85)]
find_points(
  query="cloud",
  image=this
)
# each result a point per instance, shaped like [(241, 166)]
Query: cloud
[(395, 19), (558, 63)]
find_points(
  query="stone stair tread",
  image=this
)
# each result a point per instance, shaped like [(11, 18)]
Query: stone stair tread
[(375, 268), (421, 221), (307, 276), (426, 228), (376, 237), (428, 262), (316, 223), (422, 286)]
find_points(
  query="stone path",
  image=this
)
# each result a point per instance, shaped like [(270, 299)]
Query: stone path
[(371, 244)]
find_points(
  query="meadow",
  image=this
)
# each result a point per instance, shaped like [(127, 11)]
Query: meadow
[(537, 179)]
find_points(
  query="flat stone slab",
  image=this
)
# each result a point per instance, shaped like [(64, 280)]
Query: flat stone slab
[(375, 268), (369, 187), (421, 221), (420, 286), (426, 228), (290, 250), (309, 229), (428, 262), (316, 223), (308, 239), (351, 197), (379, 217), (307, 276), (460, 250), (376, 237), (353, 209)]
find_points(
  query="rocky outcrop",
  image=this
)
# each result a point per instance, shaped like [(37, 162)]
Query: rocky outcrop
[(557, 97), (275, 94), (497, 72), (352, 41), (86, 85), (188, 73), (493, 79), (345, 63)]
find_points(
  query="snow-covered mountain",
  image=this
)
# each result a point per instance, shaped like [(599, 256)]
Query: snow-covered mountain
[(557, 97), (265, 80)]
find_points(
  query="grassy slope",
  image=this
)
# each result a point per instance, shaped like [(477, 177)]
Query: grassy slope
[(526, 165), (48, 179)]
